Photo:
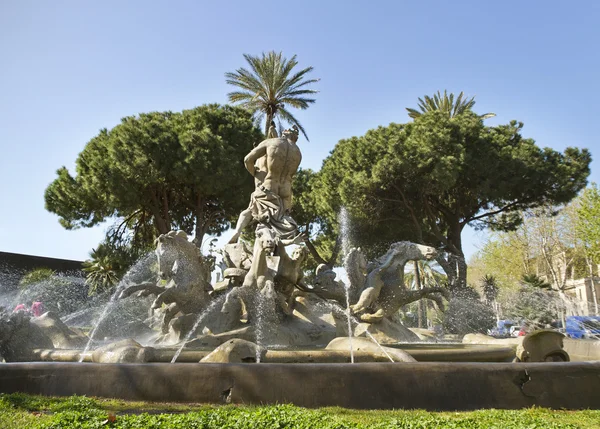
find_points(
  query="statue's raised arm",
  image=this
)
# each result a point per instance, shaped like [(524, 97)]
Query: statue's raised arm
[(250, 159)]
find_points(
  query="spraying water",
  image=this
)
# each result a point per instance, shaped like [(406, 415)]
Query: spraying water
[(141, 264), (208, 310), (344, 221), (336, 307), (105, 312), (266, 316), (260, 308), (378, 345)]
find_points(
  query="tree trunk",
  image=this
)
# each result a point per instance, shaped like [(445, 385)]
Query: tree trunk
[(270, 118), (448, 268), (200, 226), (455, 239), (335, 252), (454, 265), (455, 268), (591, 268), (313, 251), (461, 268), (161, 223)]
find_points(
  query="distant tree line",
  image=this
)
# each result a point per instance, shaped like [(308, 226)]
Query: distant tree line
[(423, 180)]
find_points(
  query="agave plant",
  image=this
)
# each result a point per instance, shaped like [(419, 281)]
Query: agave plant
[(535, 281), (270, 86), (446, 103)]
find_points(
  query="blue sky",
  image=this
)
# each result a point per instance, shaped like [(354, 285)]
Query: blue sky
[(70, 68)]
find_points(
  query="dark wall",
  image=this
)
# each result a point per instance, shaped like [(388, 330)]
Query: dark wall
[(14, 265)]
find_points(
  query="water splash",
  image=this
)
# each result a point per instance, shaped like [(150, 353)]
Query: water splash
[(266, 315), (140, 265), (344, 221), (378, 345), (208, 310), (349, 318), (103, 315), (260, 308), (336, 307)]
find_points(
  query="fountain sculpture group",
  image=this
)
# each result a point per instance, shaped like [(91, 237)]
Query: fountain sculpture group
[(263, 284), (262, 305)]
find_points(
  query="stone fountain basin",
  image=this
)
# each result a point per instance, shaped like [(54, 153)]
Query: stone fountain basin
[(421, 352), (324, 379), (424, 385)]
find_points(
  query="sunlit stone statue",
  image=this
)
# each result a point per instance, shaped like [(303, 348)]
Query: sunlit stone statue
[(273, 164)]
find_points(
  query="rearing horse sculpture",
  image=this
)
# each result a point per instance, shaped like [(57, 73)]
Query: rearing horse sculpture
[(181, 265), (378, 288)]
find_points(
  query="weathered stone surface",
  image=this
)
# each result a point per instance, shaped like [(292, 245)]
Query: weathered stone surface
[(311, 324), (214, 340), (125, 351), (386, 332), (430, 386), (19, 337), (540, 346), (315, 322), (322, 356), (582, 350), (235, 351), (61, 335), (544, 345), (486, 339), (424, 334), (366, 345)]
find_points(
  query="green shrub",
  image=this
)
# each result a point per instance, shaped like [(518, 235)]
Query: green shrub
[(36, 276), (466, 313)]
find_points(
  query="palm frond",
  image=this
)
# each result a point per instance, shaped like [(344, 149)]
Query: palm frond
[(268, 84), (445, 103), (289, 118)]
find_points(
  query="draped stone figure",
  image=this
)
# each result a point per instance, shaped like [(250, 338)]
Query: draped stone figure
[(273, 164)]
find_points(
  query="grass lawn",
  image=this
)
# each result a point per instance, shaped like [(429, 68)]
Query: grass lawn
[(26, 411)]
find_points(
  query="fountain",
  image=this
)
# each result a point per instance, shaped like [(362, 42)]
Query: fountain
[(212, 336), (345, 234)]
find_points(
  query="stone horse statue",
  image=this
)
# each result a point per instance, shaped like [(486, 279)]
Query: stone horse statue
[(187, 277), (378, 289)]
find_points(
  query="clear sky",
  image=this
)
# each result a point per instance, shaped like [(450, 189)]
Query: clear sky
[(70, 68)]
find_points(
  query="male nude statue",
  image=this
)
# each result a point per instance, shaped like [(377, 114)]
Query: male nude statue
[(273, 164)]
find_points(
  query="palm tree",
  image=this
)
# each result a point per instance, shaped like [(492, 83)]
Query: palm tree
[(269, 86), (445, 103), (108, 263), (490, 288)]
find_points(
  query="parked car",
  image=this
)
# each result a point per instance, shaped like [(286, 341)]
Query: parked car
[(583, 327), (518, 331), (502, 329), (524, 330)]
